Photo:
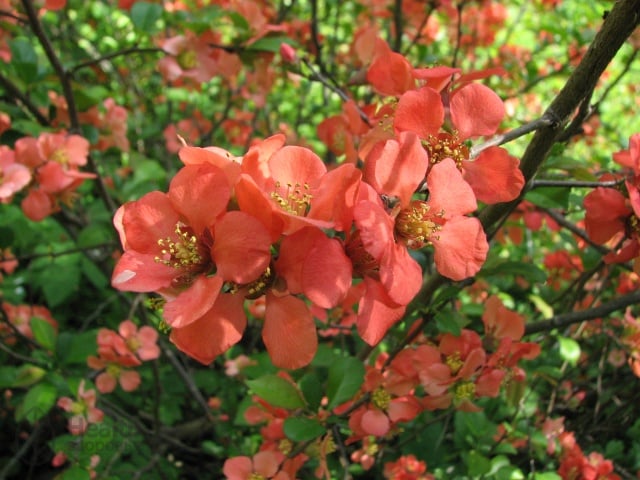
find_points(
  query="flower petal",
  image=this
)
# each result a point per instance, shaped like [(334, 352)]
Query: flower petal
[(289, 332), (215, 332)]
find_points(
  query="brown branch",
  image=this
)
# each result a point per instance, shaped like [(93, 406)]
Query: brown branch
[(110, 56), (566, 319), (503, 138)]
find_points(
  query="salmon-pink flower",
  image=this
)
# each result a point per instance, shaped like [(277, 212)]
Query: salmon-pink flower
[(13, 176), (83, 409), (264, 465), (188, 57), (289, 188), (459, 242), (174, 241), (142, 342), (468, 111)]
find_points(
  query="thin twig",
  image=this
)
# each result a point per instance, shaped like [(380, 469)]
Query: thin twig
[(497, 140), (573, 183), (110, 56), (566, 319)]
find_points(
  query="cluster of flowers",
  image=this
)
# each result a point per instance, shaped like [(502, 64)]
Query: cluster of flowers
[(49, 166), (574, 464), (432, 374), (119, 351), (19, 321), (277, 223)]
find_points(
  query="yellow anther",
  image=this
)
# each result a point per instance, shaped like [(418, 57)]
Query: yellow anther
[(414, 225), (454, 362), (179, 253), (446, 145), (296, 199), (381, 398), (464, 390)]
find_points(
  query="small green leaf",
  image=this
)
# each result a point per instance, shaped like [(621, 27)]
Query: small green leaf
[(546, 476), (549, 197), (569, 350), (477, 464), (311, 388), (543, 307), (300, 429), (529, 271), (43, 332), (269, 44), (74, 348), (27, 375), (75, 473), (345, 378), (276, 391), (8, 376), (144, 15), (24, 59), (450, 322), (37, 403)]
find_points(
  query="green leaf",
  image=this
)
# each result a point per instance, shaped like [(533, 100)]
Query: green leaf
[(144, 15), (43, 332), (546, 476), (545, 309), (549, 197), (8, 376), (75, 473), (477, 464), (311, 388), (450, 322), (529, 271), (60, 279), (24, 59), (301, 429), (345, 378), (569, 350), (74, 348), (276, 391), (37, 403), (27, 375), (269, 44), (89, 96)]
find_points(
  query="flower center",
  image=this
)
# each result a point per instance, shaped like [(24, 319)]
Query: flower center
[(133, 344), (415, 225), (464, 390), (113, 370), (182, 252), (454, 362), (294, 199), (633, 226), (60, 156), (255, 289), (381, 398), (187, 59), (363, 263), (445, 145), (256, 476)]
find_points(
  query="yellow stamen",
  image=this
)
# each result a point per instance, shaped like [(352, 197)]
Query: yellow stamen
[(445, 145), (381, 398), (454, 362), (296, 198), (464, 390), (415, 225), (181, 253)]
